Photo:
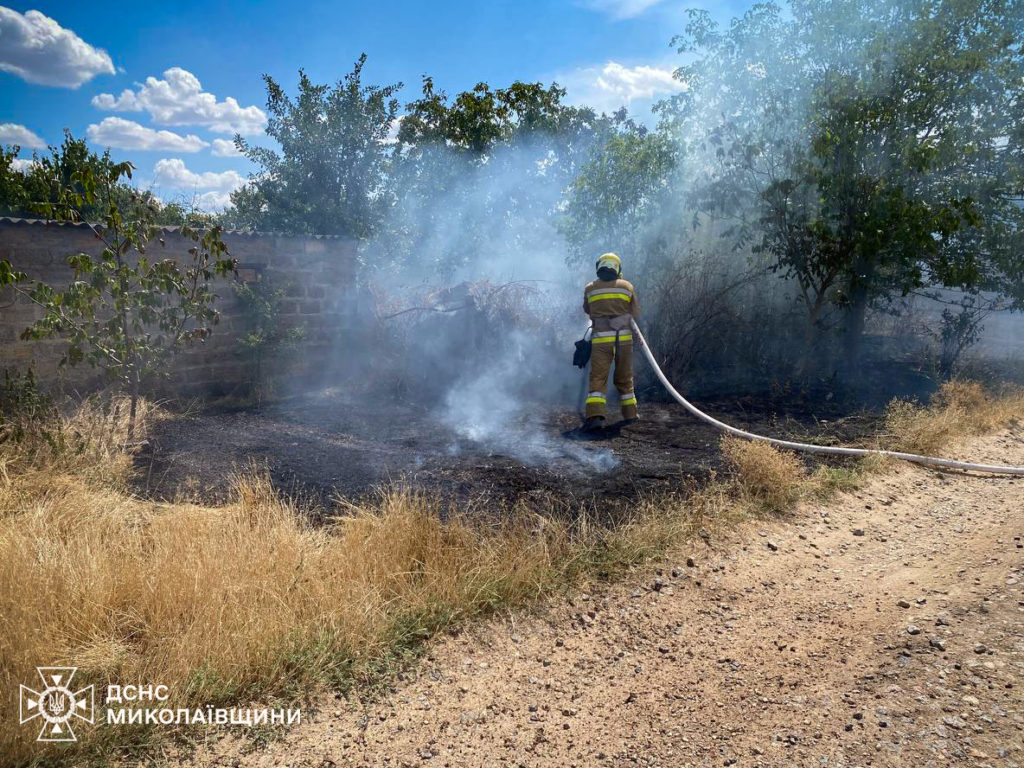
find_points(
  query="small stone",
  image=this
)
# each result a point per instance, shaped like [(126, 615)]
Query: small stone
[(772, 545), (980, 648), (903, 603), (913, 629), (954, 722), (970, 701), (658, 584), (858, 531), (690, 563), (937, 643)]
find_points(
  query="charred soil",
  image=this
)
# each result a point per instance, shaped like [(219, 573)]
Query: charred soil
[(320, 447)]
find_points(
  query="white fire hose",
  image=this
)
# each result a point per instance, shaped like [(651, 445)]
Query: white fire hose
[(807, 447)]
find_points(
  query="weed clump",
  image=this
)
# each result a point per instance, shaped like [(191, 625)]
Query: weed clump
[(959, 409), (765, 476)]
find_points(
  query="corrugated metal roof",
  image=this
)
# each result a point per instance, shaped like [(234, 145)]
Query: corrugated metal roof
[(236, 232)]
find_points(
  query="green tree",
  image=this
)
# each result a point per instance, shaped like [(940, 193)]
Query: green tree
[(478, 120), (29, 192), (620, 196), (14, 197), (867, 149), (124, 311), (328, 176), (484, 172)]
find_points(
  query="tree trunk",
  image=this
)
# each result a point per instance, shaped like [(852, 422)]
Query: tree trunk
[(804, 368), (853, 333)]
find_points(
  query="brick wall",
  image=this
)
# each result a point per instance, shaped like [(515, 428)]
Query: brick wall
[(313, 272)]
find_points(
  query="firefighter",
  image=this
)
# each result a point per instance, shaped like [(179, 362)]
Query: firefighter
[(611, 303)]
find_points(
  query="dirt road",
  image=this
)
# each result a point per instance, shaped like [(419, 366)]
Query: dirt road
[(885, 628)]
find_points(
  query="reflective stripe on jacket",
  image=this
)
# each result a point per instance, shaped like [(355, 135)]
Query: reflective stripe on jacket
[(610, 298)]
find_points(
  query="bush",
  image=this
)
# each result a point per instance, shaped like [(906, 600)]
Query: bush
[(765, 477), (959, 409)]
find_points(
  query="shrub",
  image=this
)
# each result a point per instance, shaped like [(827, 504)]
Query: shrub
[(959, 409), (765, 477)]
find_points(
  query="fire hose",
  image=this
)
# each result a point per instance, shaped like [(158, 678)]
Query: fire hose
[(930, 461)]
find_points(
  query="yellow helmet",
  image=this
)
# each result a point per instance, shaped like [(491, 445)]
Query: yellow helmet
[(610, 261)]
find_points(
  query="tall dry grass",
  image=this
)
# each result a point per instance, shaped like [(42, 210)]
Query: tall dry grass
[(765, 478), (252, 602), (959, 409), (88, 441)]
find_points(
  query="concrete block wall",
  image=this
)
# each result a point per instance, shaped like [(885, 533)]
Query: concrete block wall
[(316, 274)]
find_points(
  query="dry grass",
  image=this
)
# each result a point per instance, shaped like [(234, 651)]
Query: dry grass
[(959, 409), (250, 602), (765, 478), (89, 442)]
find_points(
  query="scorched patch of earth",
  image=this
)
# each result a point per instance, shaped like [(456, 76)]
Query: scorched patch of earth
[(319, 447)]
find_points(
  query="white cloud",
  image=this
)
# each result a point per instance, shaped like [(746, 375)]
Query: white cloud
[(611, 86), (173, 172), (225, 148), (119, 133), (21, 164), (12, 133), (213, 202), (396, 125), (621, 9), (39, 50), (179, 99)]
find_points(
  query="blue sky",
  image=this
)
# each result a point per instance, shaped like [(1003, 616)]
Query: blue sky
[(99, 68)]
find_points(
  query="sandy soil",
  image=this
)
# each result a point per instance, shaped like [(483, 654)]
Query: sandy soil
[(885, 628)]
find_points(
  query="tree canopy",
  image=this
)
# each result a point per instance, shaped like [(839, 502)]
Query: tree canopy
[(328, 175)]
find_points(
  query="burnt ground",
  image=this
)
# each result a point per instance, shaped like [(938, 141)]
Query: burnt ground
[(319, 447)]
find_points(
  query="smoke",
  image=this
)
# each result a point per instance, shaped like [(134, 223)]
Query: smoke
[(472, 254), (490, 408), (474, 249)]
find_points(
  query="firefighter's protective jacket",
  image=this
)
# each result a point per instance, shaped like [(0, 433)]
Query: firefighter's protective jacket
[(611, 304)]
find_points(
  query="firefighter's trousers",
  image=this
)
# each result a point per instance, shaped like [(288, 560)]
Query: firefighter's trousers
[(605, 351)]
